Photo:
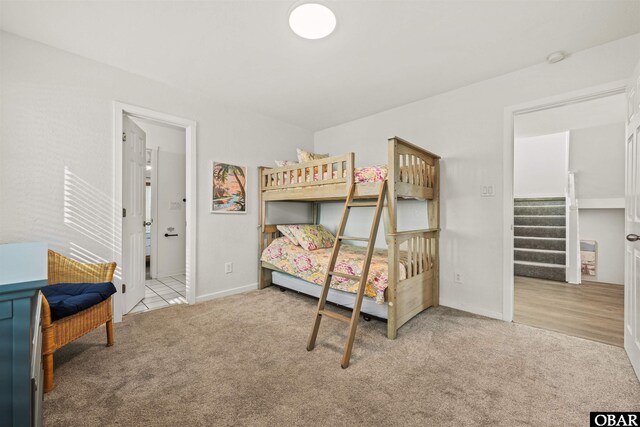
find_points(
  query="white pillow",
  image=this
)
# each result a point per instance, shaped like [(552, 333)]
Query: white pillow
[(306, 156)]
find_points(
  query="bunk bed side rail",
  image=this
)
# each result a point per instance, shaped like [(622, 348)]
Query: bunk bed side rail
[(418, 251), (413, 169), (330, 170)]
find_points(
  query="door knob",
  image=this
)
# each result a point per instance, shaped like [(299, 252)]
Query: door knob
[(147, 223), (633, 237)]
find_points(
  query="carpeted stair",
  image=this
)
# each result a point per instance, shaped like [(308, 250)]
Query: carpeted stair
[(540, 238)]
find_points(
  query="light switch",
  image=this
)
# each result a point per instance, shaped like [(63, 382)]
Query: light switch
[(487, 191)]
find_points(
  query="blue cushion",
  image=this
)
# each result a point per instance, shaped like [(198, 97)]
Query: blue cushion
[(66, 299)]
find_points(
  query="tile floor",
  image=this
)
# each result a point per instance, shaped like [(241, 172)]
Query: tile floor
[(161, 293)]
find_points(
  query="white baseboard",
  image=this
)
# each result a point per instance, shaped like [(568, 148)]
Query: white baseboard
[(471, 309), (227, 292)]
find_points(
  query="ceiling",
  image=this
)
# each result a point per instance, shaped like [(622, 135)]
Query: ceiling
[(587, 114), (383, 53)]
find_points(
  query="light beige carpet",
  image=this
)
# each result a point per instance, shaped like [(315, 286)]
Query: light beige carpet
[(242, 360)]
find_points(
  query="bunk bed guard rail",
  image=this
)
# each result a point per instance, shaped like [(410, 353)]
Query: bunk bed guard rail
[(330, 170)]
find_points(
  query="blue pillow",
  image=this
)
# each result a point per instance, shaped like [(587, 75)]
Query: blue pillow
[(66, 299)]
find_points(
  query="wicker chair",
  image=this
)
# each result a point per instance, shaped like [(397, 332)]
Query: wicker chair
[(63, 331)]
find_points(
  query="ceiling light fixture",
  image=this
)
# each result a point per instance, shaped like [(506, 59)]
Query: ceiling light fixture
[(312, 21), (556, 57)]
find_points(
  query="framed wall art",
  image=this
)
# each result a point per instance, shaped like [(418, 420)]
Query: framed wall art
[(229, 188)]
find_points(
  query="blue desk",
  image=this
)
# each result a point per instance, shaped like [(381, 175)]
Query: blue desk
[(23, 271)]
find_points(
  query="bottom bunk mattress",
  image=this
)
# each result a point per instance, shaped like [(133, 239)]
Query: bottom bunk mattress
[(311, 266), (341, 298)]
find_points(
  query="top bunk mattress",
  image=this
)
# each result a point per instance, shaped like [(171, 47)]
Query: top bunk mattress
[(312, 266)]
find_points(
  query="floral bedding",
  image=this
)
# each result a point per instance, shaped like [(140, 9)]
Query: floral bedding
[(361, 175), (311, 266), (370, 174)]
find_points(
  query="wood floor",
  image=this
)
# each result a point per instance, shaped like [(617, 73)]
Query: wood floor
[(593, 311)]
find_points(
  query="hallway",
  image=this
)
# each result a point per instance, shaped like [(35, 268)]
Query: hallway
[(161, 293), (592, 311)]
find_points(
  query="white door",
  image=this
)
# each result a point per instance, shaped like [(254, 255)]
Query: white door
[(632, 219), (133, 204)]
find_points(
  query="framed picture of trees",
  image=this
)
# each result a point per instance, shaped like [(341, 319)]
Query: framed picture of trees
[(229, 183)]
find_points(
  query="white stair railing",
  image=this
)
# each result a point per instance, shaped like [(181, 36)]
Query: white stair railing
[(574, 274)]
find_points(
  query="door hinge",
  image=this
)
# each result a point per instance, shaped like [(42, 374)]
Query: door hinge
[(124, 137), (124, 288), (124, 212)]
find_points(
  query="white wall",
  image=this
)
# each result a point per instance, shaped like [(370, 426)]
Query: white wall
[(465, 127), (57, 130), (597, 158), (596, 155), (540, 165), (170, 210)]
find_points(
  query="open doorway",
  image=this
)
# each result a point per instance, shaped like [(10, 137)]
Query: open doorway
[(569, 218), (155, 165), (165, 215)]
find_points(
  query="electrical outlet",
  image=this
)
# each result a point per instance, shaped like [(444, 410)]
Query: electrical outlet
[(228, 267), (458, 277)]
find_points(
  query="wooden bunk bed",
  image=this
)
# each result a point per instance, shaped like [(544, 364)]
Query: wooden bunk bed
[(412, 173)]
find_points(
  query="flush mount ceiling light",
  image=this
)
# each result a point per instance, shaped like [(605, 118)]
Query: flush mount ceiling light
[(556, 57), (312, 21)]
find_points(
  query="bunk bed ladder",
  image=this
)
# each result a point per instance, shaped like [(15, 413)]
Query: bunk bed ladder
[(340, 237)]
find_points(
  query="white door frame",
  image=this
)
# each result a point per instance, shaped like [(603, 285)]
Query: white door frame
[(119, 109), (596, 92)]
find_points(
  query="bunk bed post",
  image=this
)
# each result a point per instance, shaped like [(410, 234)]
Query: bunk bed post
[(392, 248), (264, 274), (393, 175), (434, 223), (315, 213), (350, 163), (392, 241), (263, 205), (265, 277)]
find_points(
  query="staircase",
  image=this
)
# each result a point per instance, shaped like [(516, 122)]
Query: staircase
[(540, 238)]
